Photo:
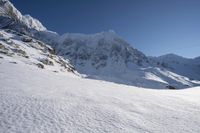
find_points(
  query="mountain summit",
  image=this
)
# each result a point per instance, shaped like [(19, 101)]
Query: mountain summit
[(99, 50), (11, 16)]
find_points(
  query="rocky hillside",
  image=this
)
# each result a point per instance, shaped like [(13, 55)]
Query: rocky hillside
[(17, 47)]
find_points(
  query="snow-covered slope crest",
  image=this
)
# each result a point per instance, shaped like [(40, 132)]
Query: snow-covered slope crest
[(19, 48), (8, 10), (33, 23)]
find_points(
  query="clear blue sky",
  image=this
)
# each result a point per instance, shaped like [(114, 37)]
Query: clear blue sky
[(155, 27)]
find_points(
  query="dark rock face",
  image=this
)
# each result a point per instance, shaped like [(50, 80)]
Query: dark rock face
[(26, 39), (170, 87), (40, 65), (47, 62)]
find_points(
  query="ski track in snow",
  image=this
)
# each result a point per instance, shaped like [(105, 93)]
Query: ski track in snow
[(33, 100)]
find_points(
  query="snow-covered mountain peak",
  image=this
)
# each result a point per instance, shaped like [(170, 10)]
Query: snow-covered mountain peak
[(8, 9), (173, 58), (170, 55), (11, 14), (109, 35), (33, 23), (104, 46)]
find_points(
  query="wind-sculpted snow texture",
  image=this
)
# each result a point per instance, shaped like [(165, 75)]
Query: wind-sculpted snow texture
[(38, 100)]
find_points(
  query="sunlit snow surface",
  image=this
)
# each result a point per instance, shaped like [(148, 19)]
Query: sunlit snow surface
[(56, 99), (39, 100)]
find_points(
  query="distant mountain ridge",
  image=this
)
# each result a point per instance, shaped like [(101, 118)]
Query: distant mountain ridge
[(184, 66)]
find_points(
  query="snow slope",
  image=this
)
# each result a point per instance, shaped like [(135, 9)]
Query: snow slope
[(37, 100)]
